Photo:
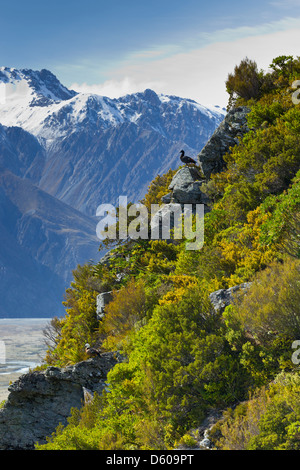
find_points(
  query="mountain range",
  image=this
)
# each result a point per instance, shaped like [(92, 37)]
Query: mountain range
[(63, 153)]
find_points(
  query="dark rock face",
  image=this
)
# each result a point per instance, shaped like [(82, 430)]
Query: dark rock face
[(39, 401), (233, 127)]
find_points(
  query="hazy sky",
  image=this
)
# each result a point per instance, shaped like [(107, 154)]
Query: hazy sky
[(114, 47)]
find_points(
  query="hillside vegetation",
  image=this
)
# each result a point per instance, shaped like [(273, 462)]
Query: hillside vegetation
[(182, 358)]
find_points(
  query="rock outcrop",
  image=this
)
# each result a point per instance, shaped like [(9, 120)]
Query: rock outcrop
[(221, 298), (102, 300), (231, 129), (185, 188), (40, 400)]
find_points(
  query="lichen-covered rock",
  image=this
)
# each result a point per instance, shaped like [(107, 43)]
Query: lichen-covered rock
[(231, 129), (40, 400), (186, 187), (102, 300)]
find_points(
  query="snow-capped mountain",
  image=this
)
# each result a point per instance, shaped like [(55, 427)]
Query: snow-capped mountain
[(41, 105), (79, 150)]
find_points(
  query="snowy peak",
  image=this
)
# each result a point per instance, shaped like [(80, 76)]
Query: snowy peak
[(38, 88), (48, 86)]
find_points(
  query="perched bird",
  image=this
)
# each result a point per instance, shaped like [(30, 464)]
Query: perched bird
[(91, 351), (185, 159)]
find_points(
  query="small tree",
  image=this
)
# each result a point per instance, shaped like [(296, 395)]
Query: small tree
[(283, 65)]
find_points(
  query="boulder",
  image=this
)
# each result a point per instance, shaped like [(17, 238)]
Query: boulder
[(39, 401), (164, 221), (102, 300), (221, 298), (186, 187)]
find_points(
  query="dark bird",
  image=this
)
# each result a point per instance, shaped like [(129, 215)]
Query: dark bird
[(91, 351), (185, 159)]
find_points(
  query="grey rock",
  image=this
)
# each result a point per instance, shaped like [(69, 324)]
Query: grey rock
[(206, 443), (221, 298), (184, 177), (102, 300), (164, 220), (227, 135), (186, 187), (190, 195), (40, 400)]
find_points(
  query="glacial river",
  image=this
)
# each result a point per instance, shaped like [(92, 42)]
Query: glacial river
[(22, 347)]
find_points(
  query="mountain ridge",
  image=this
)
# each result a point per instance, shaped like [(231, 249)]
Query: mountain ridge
[(83, 150)]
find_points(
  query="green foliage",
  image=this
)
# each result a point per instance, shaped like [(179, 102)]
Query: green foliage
[(247, 84), (178, 365), (264, 163), (282, 228), (263, 114), (262, 325), (123, 313), (285, 65), (272, 306), (158, 188), (80, 323), (270, 420)]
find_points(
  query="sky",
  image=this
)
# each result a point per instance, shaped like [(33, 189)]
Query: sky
[(180, 47)]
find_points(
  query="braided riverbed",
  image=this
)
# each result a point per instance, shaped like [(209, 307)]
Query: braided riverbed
[(22, 348)]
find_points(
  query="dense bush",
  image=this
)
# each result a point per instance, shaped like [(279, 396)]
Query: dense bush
[(272, 305), (270, 420)]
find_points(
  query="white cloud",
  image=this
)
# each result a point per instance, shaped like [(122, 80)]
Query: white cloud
[(116, 88), (200, 73), (285, 4)]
